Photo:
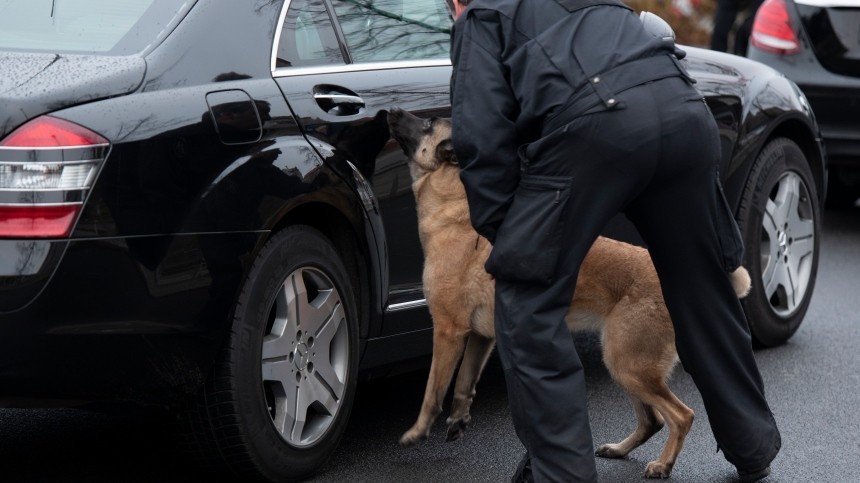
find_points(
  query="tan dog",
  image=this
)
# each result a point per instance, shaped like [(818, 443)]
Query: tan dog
[(617, 293)]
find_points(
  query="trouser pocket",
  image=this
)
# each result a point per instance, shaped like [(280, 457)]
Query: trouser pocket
[(731, 242), (529, 239)]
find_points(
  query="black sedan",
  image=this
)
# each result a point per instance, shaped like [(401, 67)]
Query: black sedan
[(201, 209), (816, 43)]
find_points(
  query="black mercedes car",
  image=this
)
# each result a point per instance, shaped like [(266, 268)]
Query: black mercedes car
[(816, 43), (201, 208)]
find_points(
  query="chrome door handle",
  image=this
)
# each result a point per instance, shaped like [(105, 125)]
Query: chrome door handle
[(338, 101)]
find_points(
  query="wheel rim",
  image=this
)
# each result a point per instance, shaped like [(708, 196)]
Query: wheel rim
[(305, 356), (787, 244)]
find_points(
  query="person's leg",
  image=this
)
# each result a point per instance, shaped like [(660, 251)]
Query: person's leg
[(546, 384), (545, 381), (742, 36), (675, 216), (724, 20)]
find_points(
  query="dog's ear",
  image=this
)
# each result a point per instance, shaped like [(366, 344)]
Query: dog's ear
[(445, 152)]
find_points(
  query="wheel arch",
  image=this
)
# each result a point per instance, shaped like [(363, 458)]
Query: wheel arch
[(801, 134), (354, 249)]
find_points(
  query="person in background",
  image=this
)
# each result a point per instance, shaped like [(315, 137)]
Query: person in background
[(565, 113), (724, 21)]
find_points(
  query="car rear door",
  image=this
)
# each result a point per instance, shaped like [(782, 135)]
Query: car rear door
[(341, 66)]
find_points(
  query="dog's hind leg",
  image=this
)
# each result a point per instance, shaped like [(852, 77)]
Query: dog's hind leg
[(639, 351), (478, 350), (656, 396), (679, 419), (656, 402), (448, 344), (649, 423)]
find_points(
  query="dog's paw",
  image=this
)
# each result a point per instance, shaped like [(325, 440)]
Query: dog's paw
[(413, 437), (655, 469), (456, 428), (610, 451)]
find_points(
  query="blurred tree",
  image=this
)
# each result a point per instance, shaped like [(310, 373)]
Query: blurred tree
[(692, 19)]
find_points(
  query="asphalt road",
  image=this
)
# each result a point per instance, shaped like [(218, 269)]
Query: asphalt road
[(813, 383)]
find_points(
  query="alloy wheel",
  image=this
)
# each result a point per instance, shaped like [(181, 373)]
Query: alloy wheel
[(305, 357), (787, 244)]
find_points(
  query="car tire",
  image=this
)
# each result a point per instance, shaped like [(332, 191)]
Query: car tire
[(279, 397), (779, 218)]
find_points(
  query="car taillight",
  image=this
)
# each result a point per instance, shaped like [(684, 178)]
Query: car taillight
[(50, 132), (772, 30), (46, 169), (38, 221)]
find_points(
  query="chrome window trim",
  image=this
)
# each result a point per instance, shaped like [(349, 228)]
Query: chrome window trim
[(277, 41), (414, 304), (334, 69), (368, 66)]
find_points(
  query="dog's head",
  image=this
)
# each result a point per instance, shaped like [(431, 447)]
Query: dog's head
[(426, 142)]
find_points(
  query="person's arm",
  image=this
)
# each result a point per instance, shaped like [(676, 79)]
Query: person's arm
[(484, 112)]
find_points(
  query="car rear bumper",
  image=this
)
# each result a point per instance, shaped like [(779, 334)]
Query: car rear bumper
[(129, 319), (145, 369)]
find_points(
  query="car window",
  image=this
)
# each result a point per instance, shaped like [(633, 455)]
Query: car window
[(391, 30), (307, 36), (86, 26)]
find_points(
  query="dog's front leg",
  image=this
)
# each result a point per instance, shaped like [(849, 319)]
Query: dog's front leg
[(478, 350), (448, 344)]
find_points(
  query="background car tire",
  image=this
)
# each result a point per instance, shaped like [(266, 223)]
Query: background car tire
[(290, 363), (779, 218)]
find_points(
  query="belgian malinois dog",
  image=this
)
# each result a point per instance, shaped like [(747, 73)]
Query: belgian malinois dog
[(617, 294)]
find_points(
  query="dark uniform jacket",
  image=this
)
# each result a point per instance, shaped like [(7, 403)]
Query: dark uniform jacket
[(523, 68)]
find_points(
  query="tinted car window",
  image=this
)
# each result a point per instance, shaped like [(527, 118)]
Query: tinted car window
[(387, 30), (86, 26), (307, 36)]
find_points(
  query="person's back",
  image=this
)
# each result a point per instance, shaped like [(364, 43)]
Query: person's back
[(548, 47), (559, 59)]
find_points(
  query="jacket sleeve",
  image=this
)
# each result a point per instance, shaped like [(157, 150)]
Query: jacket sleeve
[(484, 113)]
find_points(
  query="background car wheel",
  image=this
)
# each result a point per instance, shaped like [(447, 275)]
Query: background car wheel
[(279, 398), (779, 218)]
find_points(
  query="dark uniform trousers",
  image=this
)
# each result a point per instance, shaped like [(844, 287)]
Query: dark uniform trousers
[(656, 160)]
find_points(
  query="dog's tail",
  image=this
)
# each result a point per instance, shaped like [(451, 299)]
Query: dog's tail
[(741, 282)]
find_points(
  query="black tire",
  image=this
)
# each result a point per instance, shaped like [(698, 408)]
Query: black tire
[(293, 347), (779, 217)]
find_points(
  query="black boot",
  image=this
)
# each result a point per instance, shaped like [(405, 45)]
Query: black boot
[(753, 475), (523, 474)]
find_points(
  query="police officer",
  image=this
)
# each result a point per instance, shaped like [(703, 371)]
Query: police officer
[(565, 113)]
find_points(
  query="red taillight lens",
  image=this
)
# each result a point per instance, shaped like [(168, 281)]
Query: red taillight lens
[(47, 166), (35, 221), (772, 30), (51, 132)]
